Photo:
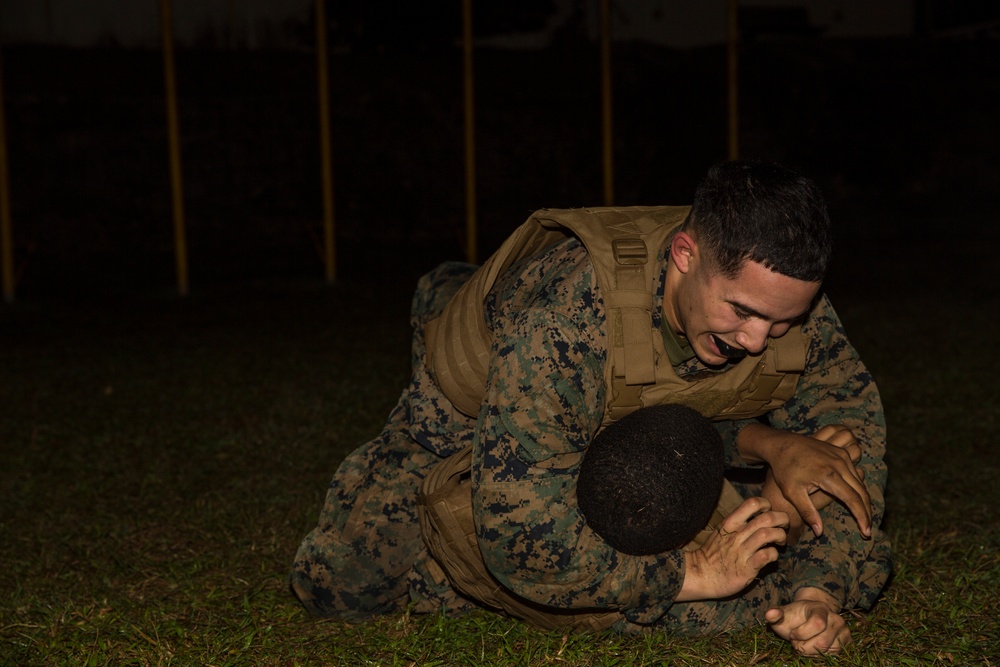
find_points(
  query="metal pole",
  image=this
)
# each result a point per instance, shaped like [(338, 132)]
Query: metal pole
[(606, 107), (471, 241), (176, 182), (732, 52), (6, 238), (329, 240)]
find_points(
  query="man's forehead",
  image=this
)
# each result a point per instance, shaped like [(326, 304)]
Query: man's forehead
[(770, 295)]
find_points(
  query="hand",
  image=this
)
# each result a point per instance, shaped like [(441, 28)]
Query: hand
[(835, 434), (802, 465), (811, 623), (840, 436), (732, 556)]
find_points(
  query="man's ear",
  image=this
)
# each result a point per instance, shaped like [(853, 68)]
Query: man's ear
[(683, 251)]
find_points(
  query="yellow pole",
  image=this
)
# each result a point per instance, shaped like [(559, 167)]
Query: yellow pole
[(471, 242), (177, 186), (732, 43), (6, 238), (329, 241), (607, 126)]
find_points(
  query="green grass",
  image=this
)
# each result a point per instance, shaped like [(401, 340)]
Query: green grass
[(160, 460)]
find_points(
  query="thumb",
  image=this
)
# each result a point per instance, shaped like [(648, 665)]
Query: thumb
[(774, 615)]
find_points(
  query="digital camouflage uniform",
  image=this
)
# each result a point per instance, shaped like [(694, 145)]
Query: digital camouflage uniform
[(544, 403)]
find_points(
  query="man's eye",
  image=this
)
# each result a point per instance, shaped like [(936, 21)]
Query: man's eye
[(742, 315)]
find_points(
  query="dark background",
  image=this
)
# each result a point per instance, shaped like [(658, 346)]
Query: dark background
[(161, 458), (900, 133)]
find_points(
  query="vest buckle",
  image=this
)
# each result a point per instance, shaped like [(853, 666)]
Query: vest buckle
[(630, 252)]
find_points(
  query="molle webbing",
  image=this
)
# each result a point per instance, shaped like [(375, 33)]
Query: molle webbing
[(458, 343), (630, 238)]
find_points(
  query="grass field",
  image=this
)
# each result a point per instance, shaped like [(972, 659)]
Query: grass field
[(161, 458)]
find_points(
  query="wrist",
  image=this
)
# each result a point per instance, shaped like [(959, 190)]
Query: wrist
[(692, 584), (753, 443)]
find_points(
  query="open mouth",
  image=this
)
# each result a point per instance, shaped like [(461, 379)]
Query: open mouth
[(727, 350)]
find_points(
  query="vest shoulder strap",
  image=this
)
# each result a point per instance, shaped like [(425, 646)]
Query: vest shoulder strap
[(620, 243)]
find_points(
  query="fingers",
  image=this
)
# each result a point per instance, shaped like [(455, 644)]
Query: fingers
[(743, 513), (802, 501), (832, 432), (765, 528), (816, 622), (749, 535), (739, 517), (852, 492), (734, 554), (859, 505), (760, 559), (840, 436), (822, 632), (841, 478), (802, 466), (826, 644), (811, 628), (757, 538), (755, 524)]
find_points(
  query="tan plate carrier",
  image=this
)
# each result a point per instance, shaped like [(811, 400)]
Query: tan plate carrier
[(620, 243)]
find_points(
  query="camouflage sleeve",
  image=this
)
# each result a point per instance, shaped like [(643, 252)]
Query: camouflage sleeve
[(836, 388), (544, 402), (730, 430)]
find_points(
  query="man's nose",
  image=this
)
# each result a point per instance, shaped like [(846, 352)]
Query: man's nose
[(753, 336)]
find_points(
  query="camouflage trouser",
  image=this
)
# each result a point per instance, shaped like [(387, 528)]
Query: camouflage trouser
[(366, 555)]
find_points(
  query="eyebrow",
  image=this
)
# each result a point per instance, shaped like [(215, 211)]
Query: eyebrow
[(759, 315)]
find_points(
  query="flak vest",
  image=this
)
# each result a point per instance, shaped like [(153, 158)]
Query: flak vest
[(620, 243)]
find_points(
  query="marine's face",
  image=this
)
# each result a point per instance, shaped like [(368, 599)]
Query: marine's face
[(726, 318)]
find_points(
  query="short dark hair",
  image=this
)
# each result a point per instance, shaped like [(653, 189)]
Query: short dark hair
[(763, 212), (649, 482)]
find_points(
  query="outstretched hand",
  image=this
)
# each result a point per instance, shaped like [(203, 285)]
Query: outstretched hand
[(731, 557), (811, 623), (837, 435), (802, 466)]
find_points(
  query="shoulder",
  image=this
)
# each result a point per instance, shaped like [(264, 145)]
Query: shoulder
[(828, 341), (560, 280)]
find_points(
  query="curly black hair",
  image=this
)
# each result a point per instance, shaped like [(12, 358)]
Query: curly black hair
[(649, 482)]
